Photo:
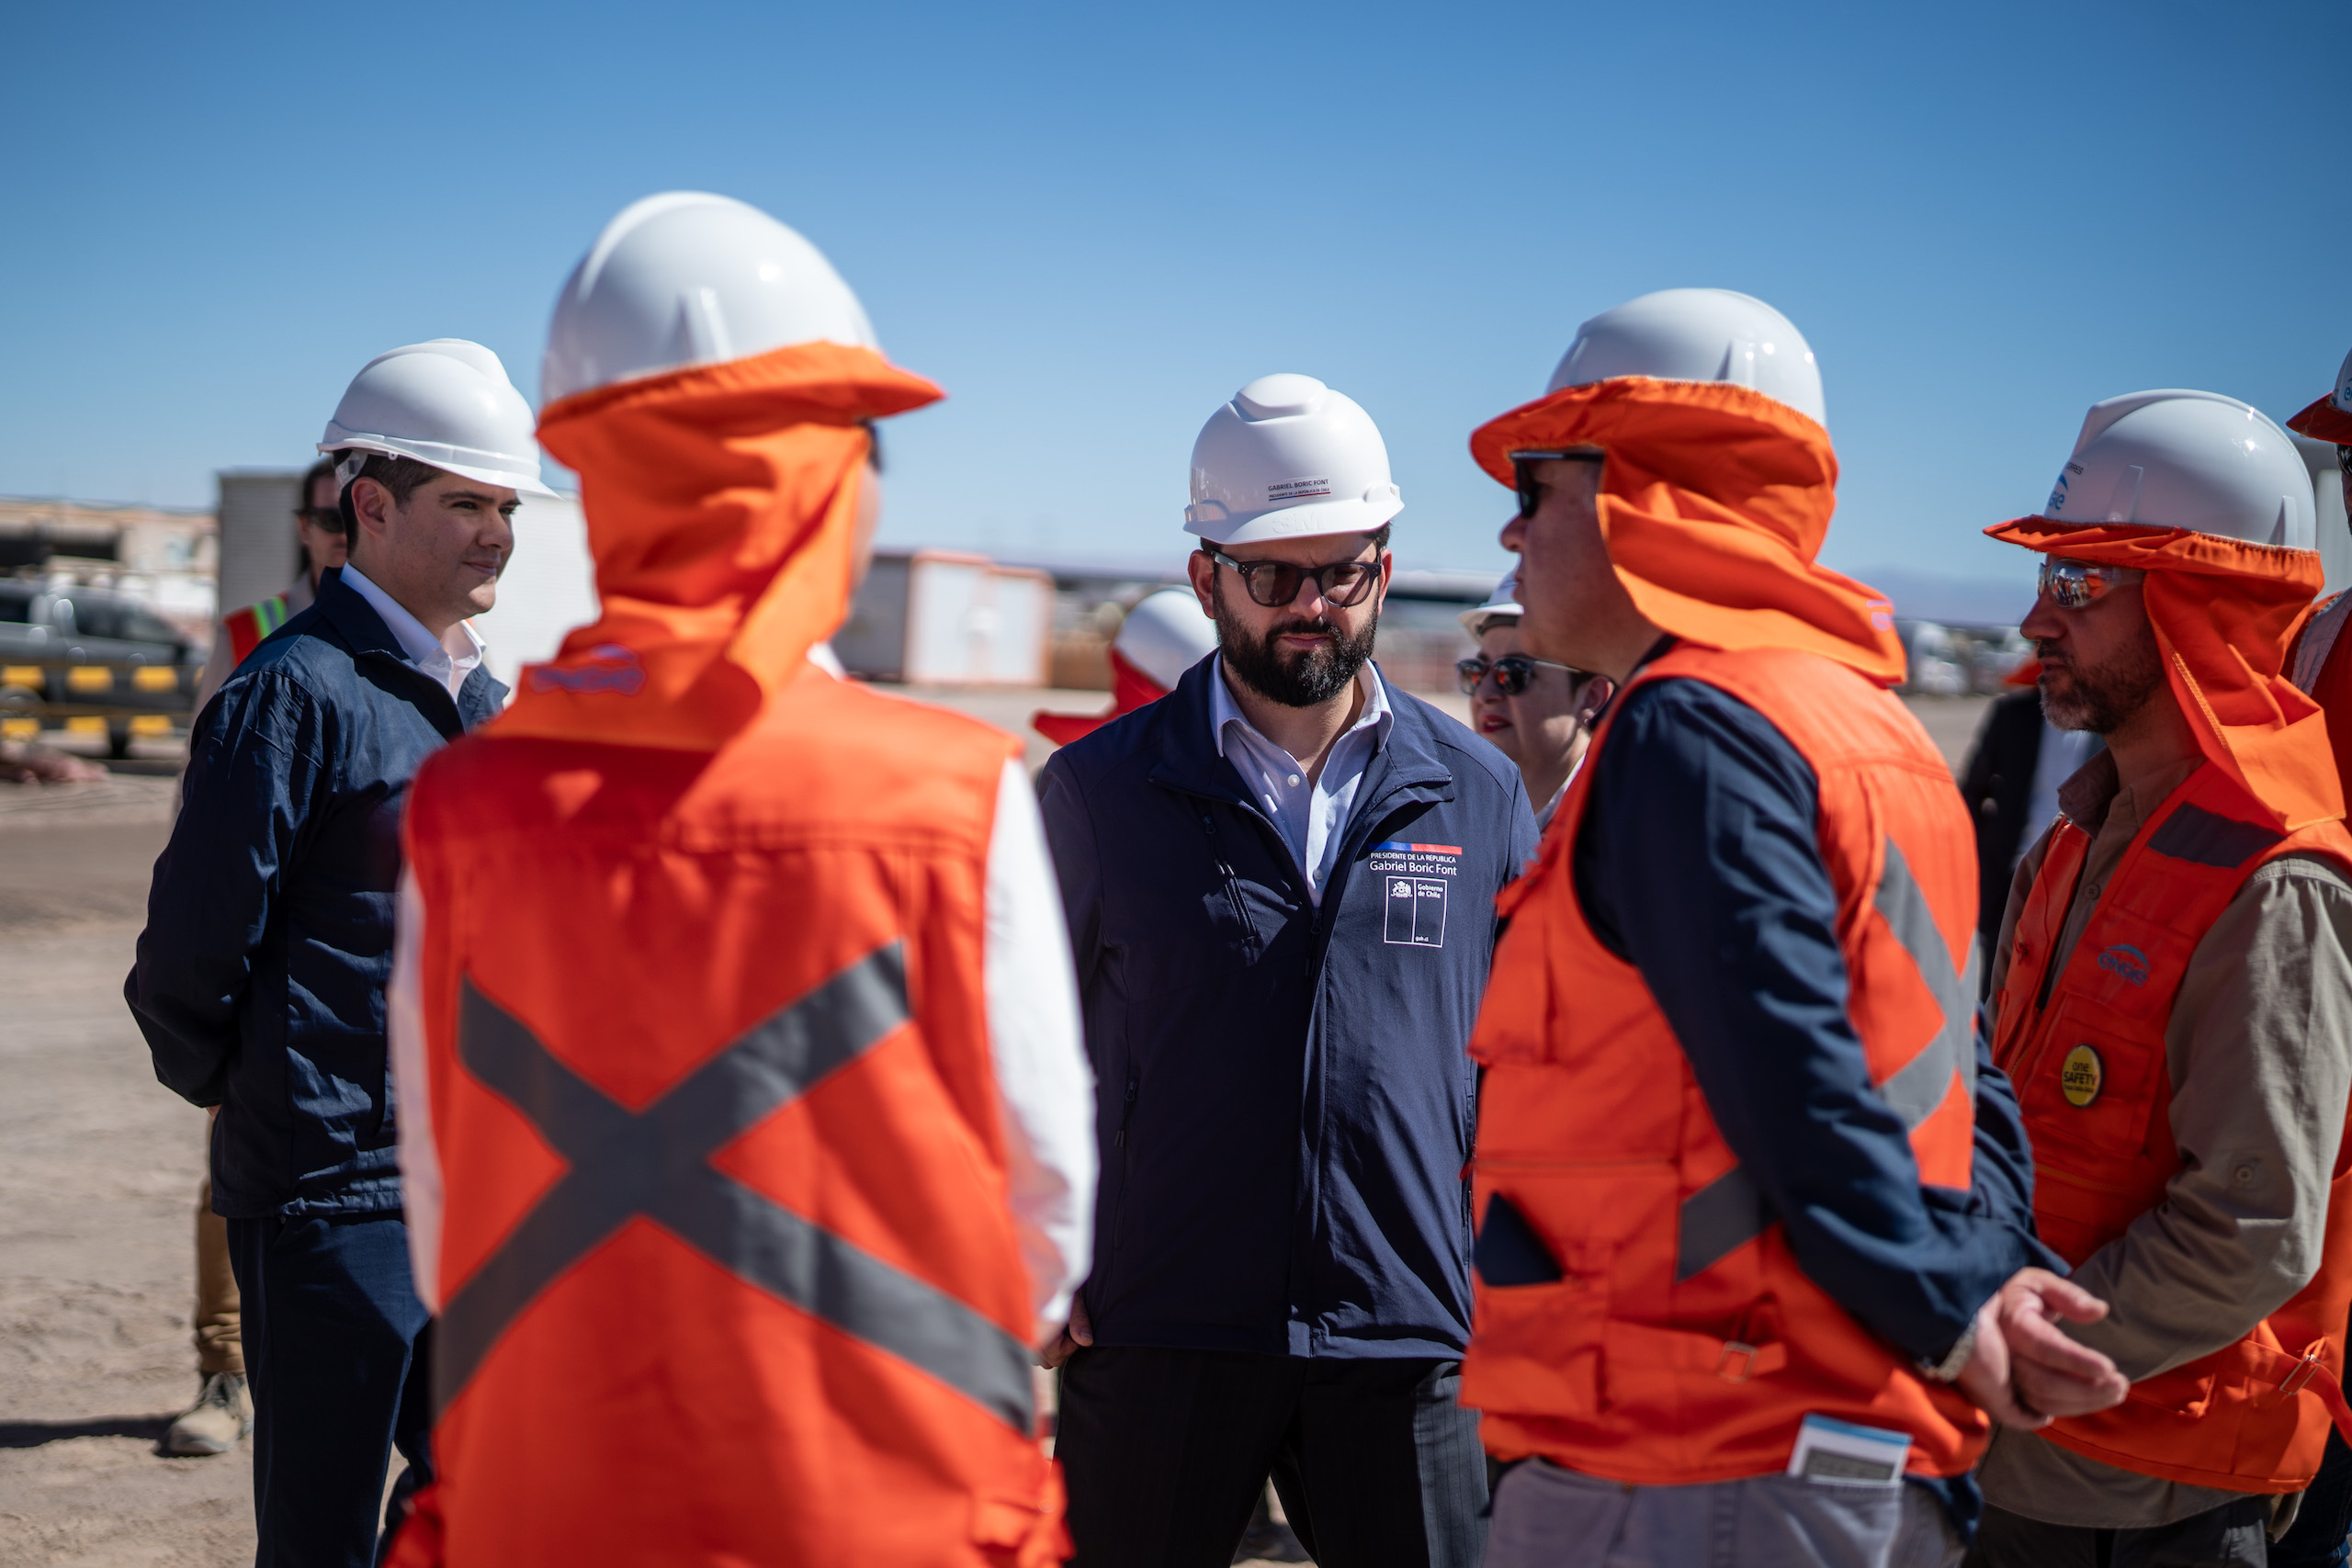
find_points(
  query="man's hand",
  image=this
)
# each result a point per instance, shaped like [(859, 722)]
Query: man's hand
[(1061, 1347), (2049, 1372), (1986, 1378)]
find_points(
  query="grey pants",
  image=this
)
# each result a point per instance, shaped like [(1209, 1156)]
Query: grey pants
[(1549, 1517)]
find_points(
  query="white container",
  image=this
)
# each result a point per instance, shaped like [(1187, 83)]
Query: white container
[(259, 554), (944, 618)]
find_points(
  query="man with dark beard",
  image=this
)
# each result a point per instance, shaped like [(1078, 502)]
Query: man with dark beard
[(1280, 880), (2173, 997)]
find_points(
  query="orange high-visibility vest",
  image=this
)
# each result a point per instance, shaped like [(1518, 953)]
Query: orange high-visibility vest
[(728, 1273), (1684, 1343), (2095, 1084), (246, 627)]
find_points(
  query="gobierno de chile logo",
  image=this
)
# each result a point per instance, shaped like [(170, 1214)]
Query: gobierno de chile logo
[(2127, 961), (609, 668)]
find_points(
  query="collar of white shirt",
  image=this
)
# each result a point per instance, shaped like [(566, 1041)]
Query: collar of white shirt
[(1376, 713), (449, 659)]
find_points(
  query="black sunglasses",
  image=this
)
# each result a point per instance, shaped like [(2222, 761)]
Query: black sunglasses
[(2344, 458), (1513, 672), (1274, 584), (1530, 494), (325, 519)]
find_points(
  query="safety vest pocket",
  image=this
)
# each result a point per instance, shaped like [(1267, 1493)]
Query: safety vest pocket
[(1537, 1348), (2090, 1090)]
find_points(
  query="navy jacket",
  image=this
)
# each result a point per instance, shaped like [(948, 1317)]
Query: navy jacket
[(260, 977), (1284, 1101)]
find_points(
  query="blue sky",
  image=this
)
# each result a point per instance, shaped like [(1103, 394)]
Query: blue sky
[(1093, 223)]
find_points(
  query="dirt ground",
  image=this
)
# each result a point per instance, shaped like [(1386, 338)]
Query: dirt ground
[(98, 1170)]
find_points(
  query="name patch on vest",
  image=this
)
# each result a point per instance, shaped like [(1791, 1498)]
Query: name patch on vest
[(1416, 877), (2081, 1074)]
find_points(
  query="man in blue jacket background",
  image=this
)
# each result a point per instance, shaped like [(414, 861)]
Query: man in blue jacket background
[(260, 977), (1280, 880)]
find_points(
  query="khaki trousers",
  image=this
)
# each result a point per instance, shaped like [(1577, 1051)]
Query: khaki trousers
[(218, 1347)]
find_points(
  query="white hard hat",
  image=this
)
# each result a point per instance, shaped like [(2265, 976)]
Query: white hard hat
[(687, 277), (1698, 334), (1289, 459), (1166, 634), (1503, 600), (447, 402), (2193, 460)]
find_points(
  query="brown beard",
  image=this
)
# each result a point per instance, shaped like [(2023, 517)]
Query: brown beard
[(2101, 698), (1296, 680)]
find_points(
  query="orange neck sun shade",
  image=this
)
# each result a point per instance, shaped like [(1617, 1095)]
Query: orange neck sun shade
[(721, 503), (2223, 613), (1130, 689), (1715, 500)]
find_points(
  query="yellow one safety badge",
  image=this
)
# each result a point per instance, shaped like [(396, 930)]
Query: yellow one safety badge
[(2081, 1074)]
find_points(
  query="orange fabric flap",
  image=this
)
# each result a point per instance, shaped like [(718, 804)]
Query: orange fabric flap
[(721, 502), (1715, 500), (1130, 689), (2224, 614), (2323, 422)]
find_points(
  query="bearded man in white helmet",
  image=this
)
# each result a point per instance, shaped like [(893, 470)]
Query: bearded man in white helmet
[(260, 977), (1280, 881), (2173, 996)]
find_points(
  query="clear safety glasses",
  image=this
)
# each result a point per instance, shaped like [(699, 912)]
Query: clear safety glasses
[(2076, 584), (1513, 672), (1274, 584)]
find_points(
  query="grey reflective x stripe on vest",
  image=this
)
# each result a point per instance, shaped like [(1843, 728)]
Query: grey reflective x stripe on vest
[(1729, 1212), (656, 1163)]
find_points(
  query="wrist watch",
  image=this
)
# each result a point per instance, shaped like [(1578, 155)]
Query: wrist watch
[(1955, 1359)]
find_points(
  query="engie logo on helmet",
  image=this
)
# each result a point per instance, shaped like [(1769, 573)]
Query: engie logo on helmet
[(1296, 490), (2058, 495), (2127, 961), (609, 668)]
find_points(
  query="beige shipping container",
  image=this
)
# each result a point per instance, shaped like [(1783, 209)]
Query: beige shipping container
[(944, 618)]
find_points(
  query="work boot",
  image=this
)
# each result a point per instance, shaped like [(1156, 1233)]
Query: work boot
[(223, 1412)]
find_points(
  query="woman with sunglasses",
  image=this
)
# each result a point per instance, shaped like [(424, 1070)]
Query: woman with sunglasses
[(1539, 714)]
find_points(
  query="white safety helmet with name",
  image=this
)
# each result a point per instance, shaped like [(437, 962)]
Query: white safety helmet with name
[(2197, 461), (1698, 334), (446, 404), (687, 278), (1502, 603), (1289, 459)]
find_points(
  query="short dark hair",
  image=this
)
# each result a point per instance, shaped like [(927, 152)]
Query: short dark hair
[(1380, 536), (403, 476)]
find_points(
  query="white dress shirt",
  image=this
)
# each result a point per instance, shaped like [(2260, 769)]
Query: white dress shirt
[(449, 659), (1044, 1087), (1310, 813)]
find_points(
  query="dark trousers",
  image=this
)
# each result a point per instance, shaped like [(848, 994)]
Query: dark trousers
[(1165, 1454), (2235, 1535), (335, 1351), (2316, 1538)]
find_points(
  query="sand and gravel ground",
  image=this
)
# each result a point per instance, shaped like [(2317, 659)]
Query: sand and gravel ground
[(98, 1170)]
